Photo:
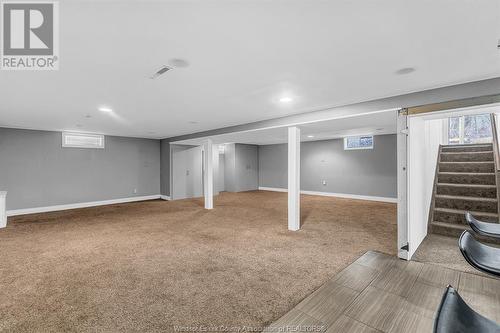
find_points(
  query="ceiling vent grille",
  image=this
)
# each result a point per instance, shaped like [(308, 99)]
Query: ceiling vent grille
[(161, 71)]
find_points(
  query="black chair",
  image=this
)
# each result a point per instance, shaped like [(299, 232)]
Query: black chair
[(482, 257), (455, 316), (483, 228)]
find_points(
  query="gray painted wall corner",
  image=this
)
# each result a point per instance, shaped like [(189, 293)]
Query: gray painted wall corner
[(37, 172), (370, 172)]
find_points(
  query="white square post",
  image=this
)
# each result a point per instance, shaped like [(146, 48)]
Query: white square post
[(3, 213), (208, 174), (293, 178)]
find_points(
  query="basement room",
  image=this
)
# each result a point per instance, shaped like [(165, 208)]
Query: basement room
[(249, 166)]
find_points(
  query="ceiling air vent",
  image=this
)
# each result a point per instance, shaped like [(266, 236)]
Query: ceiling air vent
[(161, 71)]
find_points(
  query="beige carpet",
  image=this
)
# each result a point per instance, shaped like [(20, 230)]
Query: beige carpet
[(444, 251), (150, 266)]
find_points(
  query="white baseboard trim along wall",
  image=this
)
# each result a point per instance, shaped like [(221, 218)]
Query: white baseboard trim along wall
[(24, 211), (338, 195)]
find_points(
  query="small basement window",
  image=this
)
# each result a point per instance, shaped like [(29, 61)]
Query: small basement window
[(358, 142), (82, 140)]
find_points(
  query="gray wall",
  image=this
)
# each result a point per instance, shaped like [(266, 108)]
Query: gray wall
[(247, 167), (361, 172), (36, 171), (273, 165), (241, 167), (229, 167), (165, 167), (221, 174)]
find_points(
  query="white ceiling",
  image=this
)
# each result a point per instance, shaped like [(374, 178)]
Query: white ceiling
[(492, 108), (376, 123), (243, 57)]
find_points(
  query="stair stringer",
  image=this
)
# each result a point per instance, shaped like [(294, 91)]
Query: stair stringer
[(434, 191)]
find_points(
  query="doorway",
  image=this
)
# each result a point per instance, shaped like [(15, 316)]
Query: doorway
[(418, 158), (187, 173)]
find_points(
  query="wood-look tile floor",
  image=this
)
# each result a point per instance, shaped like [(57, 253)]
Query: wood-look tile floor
[(381, 293)]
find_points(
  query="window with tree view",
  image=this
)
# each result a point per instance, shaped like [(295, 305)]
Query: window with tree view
[(469, 129)]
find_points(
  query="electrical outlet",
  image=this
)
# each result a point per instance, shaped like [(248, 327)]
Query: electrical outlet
[(135, 190), (324, 182)]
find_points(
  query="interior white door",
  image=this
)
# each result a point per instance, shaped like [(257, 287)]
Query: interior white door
[(194, 184), (416, 185), (179, 170), (187, 174)]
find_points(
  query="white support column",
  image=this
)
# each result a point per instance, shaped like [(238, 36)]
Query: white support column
[(3, 213), (293, 178), (208, 174)]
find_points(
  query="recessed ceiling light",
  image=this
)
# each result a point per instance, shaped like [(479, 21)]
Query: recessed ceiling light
[(88, 116), (406, 70), (193, 122), (310, 136), (286, 99), (379, 129), (105, 109)]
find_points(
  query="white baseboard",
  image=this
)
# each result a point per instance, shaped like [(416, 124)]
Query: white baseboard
[(165, 197), (24, 211), (338, 195), (272, 189)]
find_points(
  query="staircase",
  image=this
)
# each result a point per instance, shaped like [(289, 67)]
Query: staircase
[(465, 181)]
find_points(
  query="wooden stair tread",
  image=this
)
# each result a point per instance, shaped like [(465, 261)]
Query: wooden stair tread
[(466, 145), (460, 211), (446, 196), (467, 152), (453, 195), (457, 229), (468, 162), (466, 173), (461, 227), (467, 185)]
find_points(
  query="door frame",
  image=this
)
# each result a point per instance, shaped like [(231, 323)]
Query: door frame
[(402, 184)]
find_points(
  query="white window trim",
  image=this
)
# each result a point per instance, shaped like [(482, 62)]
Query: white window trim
[(460, 130), (358, 148), (65, 145)]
